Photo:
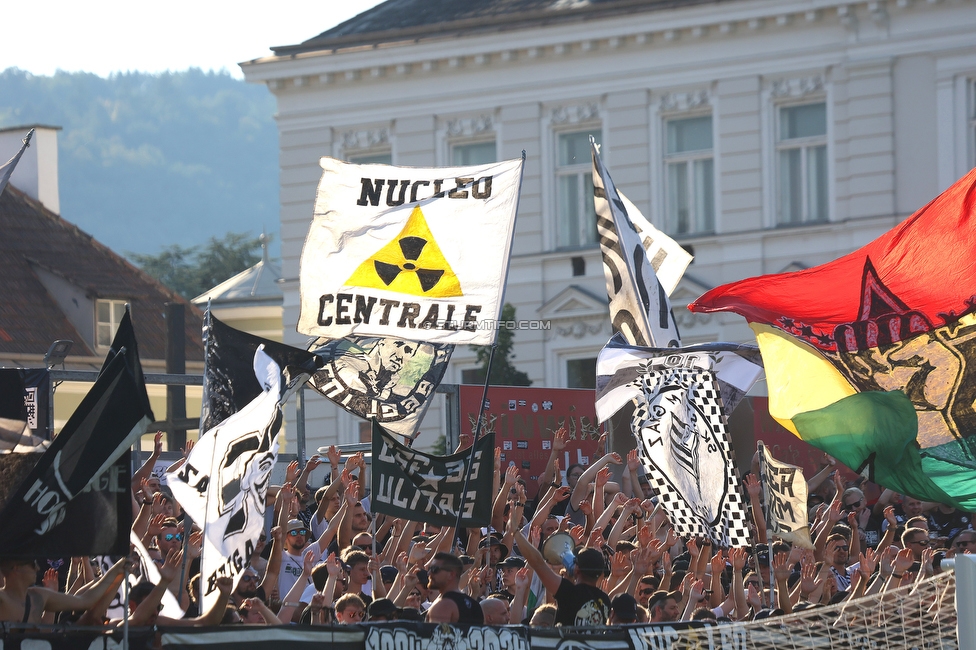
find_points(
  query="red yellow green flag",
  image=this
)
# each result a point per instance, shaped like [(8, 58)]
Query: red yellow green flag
[(872, 357)]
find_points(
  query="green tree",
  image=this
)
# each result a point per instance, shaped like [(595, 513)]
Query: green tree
[(190, 271), (503, 372)]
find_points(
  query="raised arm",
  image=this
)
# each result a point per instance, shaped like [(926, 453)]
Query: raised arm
[(579, 493), (551, 475), (550, 579)]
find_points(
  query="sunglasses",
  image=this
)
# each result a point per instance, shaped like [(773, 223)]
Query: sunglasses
[(169, 537), (964, 542), (297, 532), (753, 583), (922, 542), (645, 592), (248, 578), (436, 569)]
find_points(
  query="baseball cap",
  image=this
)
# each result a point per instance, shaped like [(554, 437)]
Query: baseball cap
[(624, 608), (388, 572), (382, 607), (591, 560), (512, 561)]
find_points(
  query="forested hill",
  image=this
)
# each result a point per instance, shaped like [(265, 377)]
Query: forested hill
[(151, 160)]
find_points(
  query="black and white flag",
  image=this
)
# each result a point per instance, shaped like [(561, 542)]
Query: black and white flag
[(110, 418), (389, 380), (229, 383), (639, 305), (410, 484), (7, 168), (681, 425), (225, 479), (784, 499)]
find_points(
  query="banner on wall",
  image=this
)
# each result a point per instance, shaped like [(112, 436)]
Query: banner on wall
[(525, 419)]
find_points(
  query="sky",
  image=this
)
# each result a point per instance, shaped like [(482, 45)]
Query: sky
[(106, 36)]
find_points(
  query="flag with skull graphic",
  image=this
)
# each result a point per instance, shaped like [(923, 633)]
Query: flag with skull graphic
[(682, 397), (224, 480)]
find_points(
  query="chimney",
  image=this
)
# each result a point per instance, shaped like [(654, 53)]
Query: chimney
[(37, 172)]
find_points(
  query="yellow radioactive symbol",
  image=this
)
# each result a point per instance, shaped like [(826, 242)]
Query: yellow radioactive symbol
[(412, 263)]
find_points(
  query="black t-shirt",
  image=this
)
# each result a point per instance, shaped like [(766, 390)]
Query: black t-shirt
[(947, 524), (581, 604), (469, 610)]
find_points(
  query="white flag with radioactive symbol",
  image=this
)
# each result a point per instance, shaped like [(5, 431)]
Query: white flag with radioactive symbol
[(408, 252)]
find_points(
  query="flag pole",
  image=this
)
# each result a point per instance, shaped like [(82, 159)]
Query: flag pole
[(204, 415), (761, 448), (491, 357), (474, 443)]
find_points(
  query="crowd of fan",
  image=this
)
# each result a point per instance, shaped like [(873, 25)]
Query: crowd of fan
[(330, 561)]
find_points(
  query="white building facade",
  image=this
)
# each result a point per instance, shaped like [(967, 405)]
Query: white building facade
[(765, 135)]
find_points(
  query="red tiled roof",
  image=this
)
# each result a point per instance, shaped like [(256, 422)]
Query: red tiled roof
[(31, 236)]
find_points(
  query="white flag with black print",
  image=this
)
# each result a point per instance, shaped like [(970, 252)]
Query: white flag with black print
[(409, 253), (784, 499), (680, 421), (224, 481), (639, 305)]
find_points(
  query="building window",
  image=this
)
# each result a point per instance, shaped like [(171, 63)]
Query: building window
[(576, 216), (581, 373), (108, 315), (473, 376), (473, 153), (689, 166), (371, 158), (801, 151)]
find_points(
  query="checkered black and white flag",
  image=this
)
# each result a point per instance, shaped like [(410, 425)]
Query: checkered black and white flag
[(682, 399), (635, 263)]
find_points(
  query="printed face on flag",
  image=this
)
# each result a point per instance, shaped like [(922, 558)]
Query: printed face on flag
[(408, 253), (389, 380)]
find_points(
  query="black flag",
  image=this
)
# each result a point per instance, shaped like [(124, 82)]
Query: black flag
[(110, 418), (7, 168), (422, 487), (229, 384)]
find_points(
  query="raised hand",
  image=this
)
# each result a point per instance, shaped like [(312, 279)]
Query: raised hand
[(522, 577), (465, 440), (781, 567), (511, 475), (834, 513), (195, 544), (171, 566), (578, 533), (225, 584), (333, 566), (586, 507), (560, 439), (889, 515), (535, 536), (738, 557), (291, 472), (50, 580), (313, 462), (157, 443), (334, 456), (633, 462), (352, 493), (308, 561), (187, 448), (561, 494), (867, 564), (602, 476), (753, 486), (904, 560), (596, 539)]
